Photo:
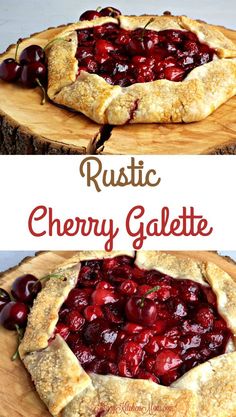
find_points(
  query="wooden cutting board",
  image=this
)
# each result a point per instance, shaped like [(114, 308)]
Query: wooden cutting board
[(17, 394), (26, 127)]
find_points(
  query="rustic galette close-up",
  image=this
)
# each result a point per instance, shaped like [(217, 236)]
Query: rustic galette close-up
[(123, 333)]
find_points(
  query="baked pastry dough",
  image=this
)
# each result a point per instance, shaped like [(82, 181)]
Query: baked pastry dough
[(204, 89), (208, 390)]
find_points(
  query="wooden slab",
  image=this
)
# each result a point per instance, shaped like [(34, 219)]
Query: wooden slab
[(26, 127), (17, 394), (214, 135)]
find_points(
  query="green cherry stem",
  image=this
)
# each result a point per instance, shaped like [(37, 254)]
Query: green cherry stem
[(49, 276), (52, 42), (98, 9), (20, 333), (17, 48), (156, 288), (43, 91), (147, 24)]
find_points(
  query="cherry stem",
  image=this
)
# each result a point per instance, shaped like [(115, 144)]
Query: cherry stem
[(56, 275), (98, 9), (49, 276), (156, 288), (19, 339), (17, 47), (46, 278), (43, 91), (147, 24), (52, 42)]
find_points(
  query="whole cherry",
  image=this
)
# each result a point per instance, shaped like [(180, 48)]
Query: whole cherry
[(4, 298), (32, 53), (25, 288), (10, 70), (32, 73), (14, 314), (90, 15), (141, 310)]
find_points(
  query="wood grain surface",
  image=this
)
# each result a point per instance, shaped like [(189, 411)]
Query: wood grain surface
[(26, 127), (17, 394)]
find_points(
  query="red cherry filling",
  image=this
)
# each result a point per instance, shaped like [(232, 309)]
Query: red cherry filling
[(78, 299), (130, 322), (125, 57)]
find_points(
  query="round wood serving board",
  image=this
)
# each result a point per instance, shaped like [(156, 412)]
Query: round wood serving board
[(18, 397), (26, 127)]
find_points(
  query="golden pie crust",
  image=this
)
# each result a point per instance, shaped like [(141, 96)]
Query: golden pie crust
[(161, 101), (209, 390)]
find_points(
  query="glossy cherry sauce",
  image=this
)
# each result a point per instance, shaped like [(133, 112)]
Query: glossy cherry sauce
[(135, 323), (124, 57)]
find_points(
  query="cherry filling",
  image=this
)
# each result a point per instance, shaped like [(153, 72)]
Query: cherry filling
[(126, 57), (135, 323)]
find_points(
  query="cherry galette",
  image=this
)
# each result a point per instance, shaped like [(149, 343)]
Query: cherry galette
[(139, 69), (119, 69), (121, 328)]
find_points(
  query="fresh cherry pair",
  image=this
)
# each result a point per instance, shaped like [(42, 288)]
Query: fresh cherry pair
[(30, 69), (14, 308)]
